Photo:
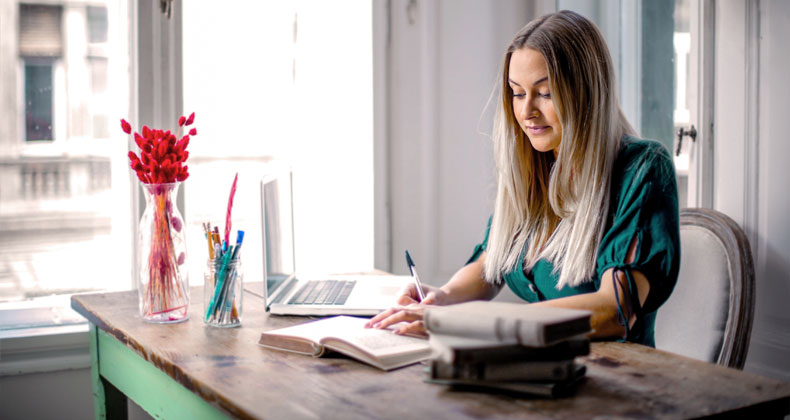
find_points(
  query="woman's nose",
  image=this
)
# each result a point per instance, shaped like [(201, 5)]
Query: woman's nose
[(527, 109)]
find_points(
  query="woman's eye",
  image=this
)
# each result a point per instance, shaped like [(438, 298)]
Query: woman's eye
[(545, 95), (519, 95)]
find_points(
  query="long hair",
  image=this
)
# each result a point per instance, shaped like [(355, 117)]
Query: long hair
[(557, 209)]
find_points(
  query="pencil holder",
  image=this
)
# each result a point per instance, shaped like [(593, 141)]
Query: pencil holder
[(223, 292)]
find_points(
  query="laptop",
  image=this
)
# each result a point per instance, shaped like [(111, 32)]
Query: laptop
[(286, 293)]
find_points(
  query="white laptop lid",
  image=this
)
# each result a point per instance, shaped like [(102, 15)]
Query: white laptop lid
[(370, 294), (277, 233)]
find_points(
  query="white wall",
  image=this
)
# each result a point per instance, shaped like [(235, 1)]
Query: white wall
[(769, 353), (65, 394), (750, 147), (444, 57)]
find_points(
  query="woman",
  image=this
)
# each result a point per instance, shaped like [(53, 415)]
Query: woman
[(586, 215)]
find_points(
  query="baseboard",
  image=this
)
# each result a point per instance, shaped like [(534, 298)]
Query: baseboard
[(769, 353)]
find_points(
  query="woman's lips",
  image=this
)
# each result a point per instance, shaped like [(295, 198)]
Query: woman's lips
[(537, 129)]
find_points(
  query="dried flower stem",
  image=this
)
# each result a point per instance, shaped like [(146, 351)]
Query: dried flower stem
[(164, 291)]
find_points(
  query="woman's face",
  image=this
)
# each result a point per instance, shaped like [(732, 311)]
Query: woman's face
[(532, 103)]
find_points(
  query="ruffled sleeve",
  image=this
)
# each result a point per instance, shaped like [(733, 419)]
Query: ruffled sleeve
[(479, 248), (645, 210)]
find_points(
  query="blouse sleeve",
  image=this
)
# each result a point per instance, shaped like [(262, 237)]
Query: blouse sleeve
[(645, 211), (479, 248)]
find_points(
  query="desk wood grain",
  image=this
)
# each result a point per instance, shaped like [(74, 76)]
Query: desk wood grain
[(227, 369)]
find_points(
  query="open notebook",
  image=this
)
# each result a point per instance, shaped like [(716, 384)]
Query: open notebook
[(285, 292)]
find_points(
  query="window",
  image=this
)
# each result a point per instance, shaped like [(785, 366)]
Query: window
[(651, 45), (38, 99), (682, 114), (65, 220), (97, 24), (40, 45), (297, 89), (65, 201)]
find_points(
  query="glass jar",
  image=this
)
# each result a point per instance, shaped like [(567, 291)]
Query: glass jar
[(223, 292)]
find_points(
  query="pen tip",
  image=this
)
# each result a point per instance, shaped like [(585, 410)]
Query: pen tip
[(408, 259)]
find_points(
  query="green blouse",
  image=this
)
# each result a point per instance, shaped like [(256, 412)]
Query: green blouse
[(644, 203)]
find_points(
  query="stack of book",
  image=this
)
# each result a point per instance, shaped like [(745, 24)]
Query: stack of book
[(505, 347)]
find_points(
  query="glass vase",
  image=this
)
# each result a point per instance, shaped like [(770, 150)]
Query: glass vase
[(162, 283)]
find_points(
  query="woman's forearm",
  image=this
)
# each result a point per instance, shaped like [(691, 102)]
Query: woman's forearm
[(603, 304), (468, 284)]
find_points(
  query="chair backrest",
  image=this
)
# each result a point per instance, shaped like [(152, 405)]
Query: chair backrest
[(709, 314)]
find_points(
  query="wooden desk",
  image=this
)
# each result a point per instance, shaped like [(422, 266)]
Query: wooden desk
[(191, 371)]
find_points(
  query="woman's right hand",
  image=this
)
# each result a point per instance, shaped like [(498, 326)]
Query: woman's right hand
[(433, 295), (410, 310)]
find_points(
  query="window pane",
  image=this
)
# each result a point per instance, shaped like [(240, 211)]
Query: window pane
[(38, 101), (650, 44), (684, 96), (65, 202), (299, 89), (97, 24)]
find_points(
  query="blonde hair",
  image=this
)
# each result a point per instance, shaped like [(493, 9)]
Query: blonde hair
[(547, 209)]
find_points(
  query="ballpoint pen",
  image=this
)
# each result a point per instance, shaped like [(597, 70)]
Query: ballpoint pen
[(413, 272)]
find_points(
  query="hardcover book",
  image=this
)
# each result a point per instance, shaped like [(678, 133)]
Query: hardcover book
[(462, 350), (549, 389), (529, 325), (543, 371)]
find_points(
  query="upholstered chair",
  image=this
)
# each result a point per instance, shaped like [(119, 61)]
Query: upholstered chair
[(709, 314)]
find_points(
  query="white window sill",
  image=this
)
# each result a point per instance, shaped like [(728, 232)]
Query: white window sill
[(44, 349), (42, 335)]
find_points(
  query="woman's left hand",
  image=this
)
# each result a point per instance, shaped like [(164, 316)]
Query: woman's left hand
[(412, 314)]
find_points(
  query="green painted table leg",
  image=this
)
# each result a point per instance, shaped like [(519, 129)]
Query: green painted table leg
[(108, 401), (157, 393)]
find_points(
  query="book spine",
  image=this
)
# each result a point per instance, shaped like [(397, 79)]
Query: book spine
[(520, 371), (500, 329), (512, 353)]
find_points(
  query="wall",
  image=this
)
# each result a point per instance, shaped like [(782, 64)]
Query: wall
[(444, 57), (750, 160), (47, 395), (53, 395), (769, 353)]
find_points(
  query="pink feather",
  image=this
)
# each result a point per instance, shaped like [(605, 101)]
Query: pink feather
[(230, 206)]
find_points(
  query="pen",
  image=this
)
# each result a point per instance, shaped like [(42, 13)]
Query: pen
[(413, 271), (239, 240)]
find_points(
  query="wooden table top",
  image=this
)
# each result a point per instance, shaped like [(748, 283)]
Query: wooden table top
[(229, 370)]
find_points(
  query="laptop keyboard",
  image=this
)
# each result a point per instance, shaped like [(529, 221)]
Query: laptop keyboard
[(323, 292)]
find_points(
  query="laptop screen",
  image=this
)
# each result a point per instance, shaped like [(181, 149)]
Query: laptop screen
[(277, 227)]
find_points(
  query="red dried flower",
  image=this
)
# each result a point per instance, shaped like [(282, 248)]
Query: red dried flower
[(139, 140), (161, 153)]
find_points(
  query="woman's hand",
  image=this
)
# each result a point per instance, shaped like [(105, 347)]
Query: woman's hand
[(409, 295), (410, 314), (465, 285), (409, 310)]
